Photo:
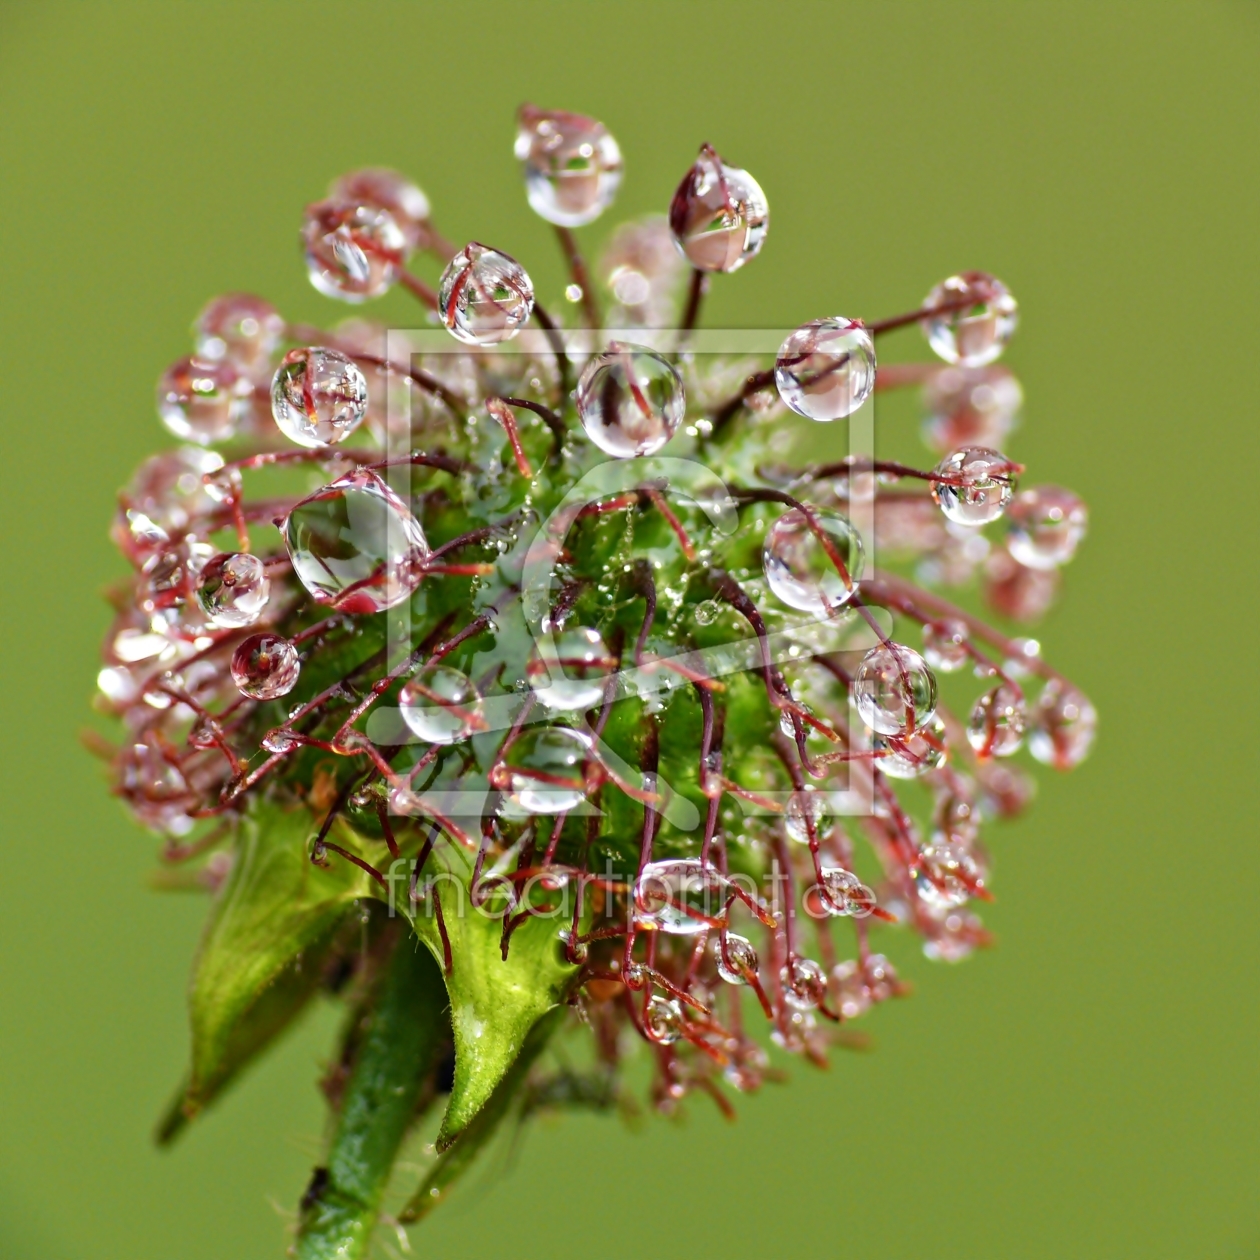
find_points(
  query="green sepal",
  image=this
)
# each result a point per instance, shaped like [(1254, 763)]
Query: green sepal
[(457, 1158), (260, 956), (494, 1002)]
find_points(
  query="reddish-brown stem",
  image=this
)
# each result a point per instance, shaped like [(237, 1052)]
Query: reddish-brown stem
[(578, 271), (695, 298), (418, 288)]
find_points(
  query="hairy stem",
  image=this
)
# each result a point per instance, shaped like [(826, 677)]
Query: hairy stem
[(340, 1207)]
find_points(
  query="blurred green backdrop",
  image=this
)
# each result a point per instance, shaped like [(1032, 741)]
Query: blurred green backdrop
[(1088, 1089)]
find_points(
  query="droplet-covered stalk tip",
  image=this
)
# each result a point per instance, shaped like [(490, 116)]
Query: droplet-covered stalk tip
[(659, 737)]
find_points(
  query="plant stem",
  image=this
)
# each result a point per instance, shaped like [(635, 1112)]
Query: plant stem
[(340, 1207)]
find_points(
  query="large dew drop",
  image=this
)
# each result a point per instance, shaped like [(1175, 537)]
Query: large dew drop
[(913, 756), (265, 667), (543, 771), (441, 705), (826, 368), (894, 690), (202, 402), (570, 671), (353, 251), (572, 165), (631, 400), (973, 485), (240, 330), (1046, 525), (680, 896), (380, 188), (977, 330), (1062, 729), (996, 728), (233, 589), (484, 297), (719, 215), (356, 545), (812, 560), (318, 396)]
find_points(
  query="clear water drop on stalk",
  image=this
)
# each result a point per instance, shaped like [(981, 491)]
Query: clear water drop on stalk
[(977, 332), (680, 896), (1061, 732), (946, 874), (241, 330), (804, 984), (631, 400), (736, 958), (543, 771), (842, 893), (380, 188), (201, 401), (996, 728), (318, 396), (265, 667), (894, 690), (914, 755), (945, 645), (807, 561), (973, 485), (803, 809), (233, 589), (718, 215), (825, 370), (663, 1020), (356, 545), (353, 251), (1045, 526), (572, 166), (847, 987), (441, 705), (571, 669), (484, 297)]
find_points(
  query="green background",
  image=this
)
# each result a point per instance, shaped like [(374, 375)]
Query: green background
[(1089, 1088)]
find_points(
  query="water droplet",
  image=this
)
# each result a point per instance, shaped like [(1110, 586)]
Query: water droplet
[(973, 485), (1015, 590), (441, 705), (543, 771), (631, 400), (894, 689), (1063, 724), (842, 893), (916, 754), (484, 297), (356, 545), (663, 1020), (265, 666), (825, 370), (736, 957), (804, 984), (166, 495), (680, 896), (945, 645), (572, 165), (318, 396), (976, 333), (848, 989), (945, 874), (1045, 526), (881, 978), (643, 269), (279, 741), (570, 671), (719, 215), (200, 401), (353, 251), (241, 330), (970, 407), (233, 589), (169, 576), (380, 188), (803, 808), (706, 612), (805, 563), (996, 728)]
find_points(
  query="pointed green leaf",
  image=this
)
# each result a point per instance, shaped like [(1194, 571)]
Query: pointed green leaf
[(494, 1003), (456, 1159), (259, 958)]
